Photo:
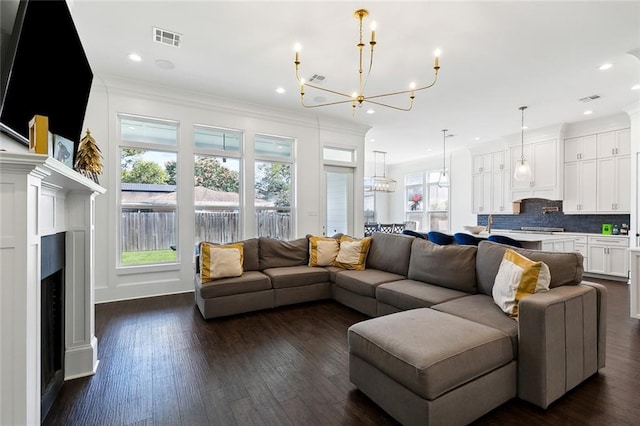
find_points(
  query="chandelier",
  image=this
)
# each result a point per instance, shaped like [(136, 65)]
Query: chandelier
[(378, 183), (358, 98)]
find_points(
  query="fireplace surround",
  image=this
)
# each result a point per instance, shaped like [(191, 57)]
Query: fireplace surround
[(39, 196)]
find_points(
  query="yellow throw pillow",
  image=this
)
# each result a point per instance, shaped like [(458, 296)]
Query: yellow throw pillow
[(322, 251), (220, 261), (352, 253), (517, 278)]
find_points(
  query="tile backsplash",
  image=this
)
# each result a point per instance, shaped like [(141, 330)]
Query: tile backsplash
[(531, 215)]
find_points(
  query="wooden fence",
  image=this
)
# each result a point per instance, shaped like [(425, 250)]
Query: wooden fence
[(144, 230), (149, 230)]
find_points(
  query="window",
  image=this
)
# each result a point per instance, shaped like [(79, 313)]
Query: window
[(274, 186), (430, 209), (148, 209), (217, 184), (414, 196), (438, 209)]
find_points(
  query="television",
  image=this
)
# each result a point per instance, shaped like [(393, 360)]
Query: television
[(43, 69)]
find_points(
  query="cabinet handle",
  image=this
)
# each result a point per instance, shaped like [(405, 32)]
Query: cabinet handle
[(613, 151), (579, 156), (501, 166), (481, 169), (616, 150), (531, 183)]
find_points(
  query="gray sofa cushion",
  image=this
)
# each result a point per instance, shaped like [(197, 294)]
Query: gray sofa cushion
[(410, 294), (365, 282), (295, 276), (250, 252), (482, 309), (452, 266), (249, 282), (390, 253), (277, 254), (565, 268), (429, 352)]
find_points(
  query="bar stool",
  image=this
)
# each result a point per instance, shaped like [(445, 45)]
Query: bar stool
[(398, 228), (440, 238), (465, 239), (503, 239), (370, 228), (415, 234), (386, 227)]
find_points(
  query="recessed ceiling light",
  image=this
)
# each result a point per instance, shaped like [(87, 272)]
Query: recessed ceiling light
[(605, 67), (429, 149), (372, 140), (477, 138), (636, 87), (135, 57), (280, 90), (371, 111), (588, 112)]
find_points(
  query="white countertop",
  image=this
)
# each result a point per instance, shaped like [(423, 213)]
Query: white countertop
[(526, 236)]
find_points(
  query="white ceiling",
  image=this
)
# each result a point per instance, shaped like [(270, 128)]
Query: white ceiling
[(496, 56)]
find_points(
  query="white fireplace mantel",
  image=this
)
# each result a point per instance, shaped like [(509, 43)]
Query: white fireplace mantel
[(41, 196)]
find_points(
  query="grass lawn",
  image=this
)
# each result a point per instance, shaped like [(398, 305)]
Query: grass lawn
[(150, 256)]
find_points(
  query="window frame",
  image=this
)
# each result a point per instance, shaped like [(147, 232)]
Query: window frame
[(291, 160), (125, 269), (218, 153)]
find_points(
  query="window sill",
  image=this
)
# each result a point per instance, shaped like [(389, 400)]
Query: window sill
[(145, 269)]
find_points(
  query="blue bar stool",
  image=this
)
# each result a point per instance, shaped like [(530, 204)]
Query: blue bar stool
[(440, 238), (503, 239), (466, 239), (415, 234)]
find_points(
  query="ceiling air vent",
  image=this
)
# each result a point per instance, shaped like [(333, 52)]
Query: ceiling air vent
[(317, 78), (589, 98), (166, 37)]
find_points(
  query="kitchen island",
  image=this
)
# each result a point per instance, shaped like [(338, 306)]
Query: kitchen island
[(536, 241)]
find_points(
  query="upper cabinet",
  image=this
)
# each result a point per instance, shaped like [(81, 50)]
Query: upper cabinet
[(601, 183), (582, 148), (615, 143), (481, 163), (543, 157), (491, 183)]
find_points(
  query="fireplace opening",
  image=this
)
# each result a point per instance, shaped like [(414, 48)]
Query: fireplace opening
[(52, 320)]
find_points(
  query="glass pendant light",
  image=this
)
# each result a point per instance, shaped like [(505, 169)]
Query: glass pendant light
[(443, 181), (523, 168)]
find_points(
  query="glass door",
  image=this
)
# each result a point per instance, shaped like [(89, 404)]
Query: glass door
[(339, 196)]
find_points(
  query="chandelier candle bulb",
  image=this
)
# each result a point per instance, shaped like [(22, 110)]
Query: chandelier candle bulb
[(373, 32)]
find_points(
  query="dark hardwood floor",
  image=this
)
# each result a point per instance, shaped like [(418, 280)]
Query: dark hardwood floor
[(161, 363)]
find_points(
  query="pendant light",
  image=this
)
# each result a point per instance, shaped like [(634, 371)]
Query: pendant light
[(523, 168), (443, 181)]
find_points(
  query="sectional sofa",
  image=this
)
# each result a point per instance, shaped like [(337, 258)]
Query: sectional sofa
[(438, 349)]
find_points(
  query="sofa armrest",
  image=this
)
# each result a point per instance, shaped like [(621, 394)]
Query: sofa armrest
[(558, 341)]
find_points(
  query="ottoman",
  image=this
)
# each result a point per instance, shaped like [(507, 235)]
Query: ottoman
[(428, 367)]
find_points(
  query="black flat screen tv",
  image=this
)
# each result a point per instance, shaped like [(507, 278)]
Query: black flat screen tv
[(43, 69)]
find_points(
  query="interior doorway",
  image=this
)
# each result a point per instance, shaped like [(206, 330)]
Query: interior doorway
[(339, 200)]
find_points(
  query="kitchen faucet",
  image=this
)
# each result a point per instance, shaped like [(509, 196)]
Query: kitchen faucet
[(489, 223)]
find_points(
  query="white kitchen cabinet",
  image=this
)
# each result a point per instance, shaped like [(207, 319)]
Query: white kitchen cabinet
[(501, 192), (608, 256), (481, 193), (581, 148), (613, 184), (482, 163), (491, 183), (580, 187), (614, 143), (581, 247), (543, 158), (500, 161), (567, 245)]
